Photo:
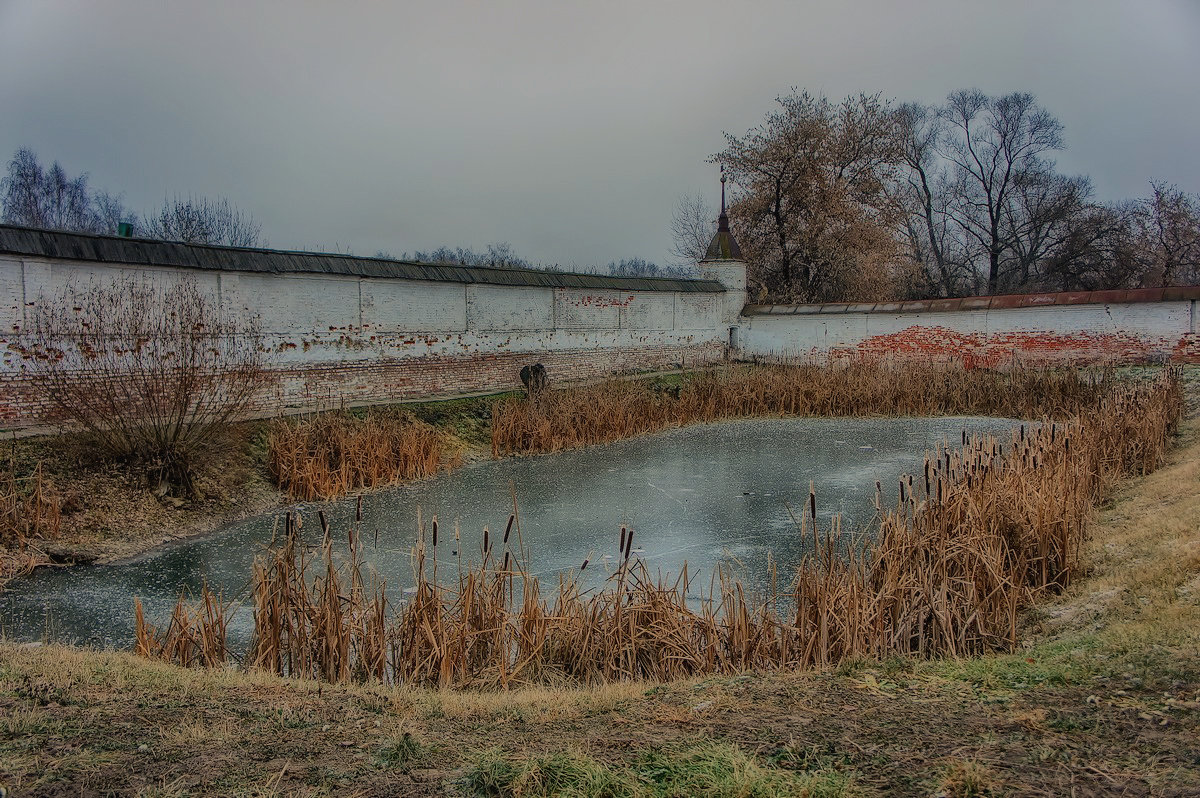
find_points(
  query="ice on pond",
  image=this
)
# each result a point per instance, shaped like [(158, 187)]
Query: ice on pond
[(694, 495)]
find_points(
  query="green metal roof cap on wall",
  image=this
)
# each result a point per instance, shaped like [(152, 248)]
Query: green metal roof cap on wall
[(59, 245)]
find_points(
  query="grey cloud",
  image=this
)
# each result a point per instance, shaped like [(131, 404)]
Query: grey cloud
[(568, 130)]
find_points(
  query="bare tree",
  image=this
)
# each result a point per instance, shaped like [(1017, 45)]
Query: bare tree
[(198, 220), (692, 228), (1099, 251), (1038, 223), (1168, 231), (49, 198), (994, 143), (151, 374)]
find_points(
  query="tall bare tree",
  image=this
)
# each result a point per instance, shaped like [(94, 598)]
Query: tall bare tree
[(942, 268), (994, 143), (692, 226)]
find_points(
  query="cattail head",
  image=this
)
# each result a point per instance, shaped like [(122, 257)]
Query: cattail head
[(508, 527), (435, 530)]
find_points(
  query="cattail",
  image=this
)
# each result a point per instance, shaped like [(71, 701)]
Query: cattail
[(628, 544), (621, 547), (486, 546), (508, 528), (901, 490), (812, 505), (435, 531), (358, 510), (584, 566)]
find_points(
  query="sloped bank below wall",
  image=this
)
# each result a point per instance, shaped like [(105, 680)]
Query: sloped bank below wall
[(1083, 328)]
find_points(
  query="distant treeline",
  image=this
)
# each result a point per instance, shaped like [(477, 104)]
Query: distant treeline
[(866, 199), (34, 195)]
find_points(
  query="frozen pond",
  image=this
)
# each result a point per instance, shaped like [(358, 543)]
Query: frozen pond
[(701, 495)]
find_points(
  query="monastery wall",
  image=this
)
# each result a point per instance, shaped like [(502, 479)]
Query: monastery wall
[(337, 340), (1101, 327)]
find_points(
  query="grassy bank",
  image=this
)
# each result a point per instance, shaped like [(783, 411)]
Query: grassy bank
[(106, 511), (1103, 698)]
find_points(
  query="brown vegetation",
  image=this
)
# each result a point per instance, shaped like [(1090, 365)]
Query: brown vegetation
[(972, 541), (165, 372), (1102, 698), (332, 454), (29, 512), (584, 416)]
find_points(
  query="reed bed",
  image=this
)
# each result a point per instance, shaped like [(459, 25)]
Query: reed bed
[(332, 454), (584, 416), (978, 534)]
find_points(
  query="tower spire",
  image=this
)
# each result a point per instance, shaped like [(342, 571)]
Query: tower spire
[(723, 247), (723, 219)]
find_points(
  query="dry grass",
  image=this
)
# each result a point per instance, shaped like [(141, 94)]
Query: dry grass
[(332, 454), (973, 540), (584, 416)]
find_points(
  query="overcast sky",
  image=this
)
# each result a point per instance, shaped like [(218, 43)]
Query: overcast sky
[(568, 130)]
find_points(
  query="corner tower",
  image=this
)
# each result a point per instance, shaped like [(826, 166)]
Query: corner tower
[(723, 263)]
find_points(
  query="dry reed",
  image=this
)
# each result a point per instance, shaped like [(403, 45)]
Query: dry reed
[(28, 508), (583, 416), (195, 634), (972, 540), (332, 454)]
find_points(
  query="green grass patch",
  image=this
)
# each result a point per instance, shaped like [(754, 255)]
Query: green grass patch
[(707, 770), (402, 753)]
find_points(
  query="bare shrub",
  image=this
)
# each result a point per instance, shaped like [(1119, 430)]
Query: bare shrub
[(151, 374)]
